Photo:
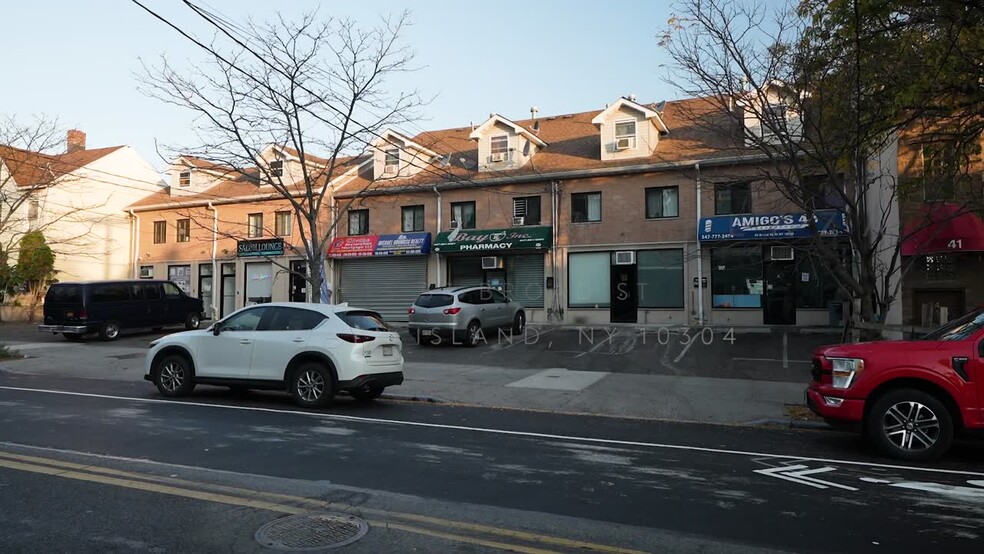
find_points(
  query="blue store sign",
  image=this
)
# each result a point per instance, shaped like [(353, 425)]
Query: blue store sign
[(828, 223)]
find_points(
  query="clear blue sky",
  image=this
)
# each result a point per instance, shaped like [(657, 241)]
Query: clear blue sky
[(76, 59)]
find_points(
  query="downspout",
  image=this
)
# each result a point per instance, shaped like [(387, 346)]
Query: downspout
[(333, 226), (700, 258), (216, 277), (555, 235), (135, 244), (439, 203)]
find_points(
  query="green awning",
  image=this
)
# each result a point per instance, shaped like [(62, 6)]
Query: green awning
[(491, 240)]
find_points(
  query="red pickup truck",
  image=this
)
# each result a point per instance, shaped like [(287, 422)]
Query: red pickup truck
[(908, 397)]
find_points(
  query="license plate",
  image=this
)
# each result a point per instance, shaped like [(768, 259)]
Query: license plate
[(388, 350), (69, 314), (425, 332)]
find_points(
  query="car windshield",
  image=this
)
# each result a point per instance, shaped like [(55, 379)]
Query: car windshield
[(434, 300), (958, 329), (364, 321)]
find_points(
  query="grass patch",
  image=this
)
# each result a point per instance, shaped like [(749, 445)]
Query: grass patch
[(7, 354)]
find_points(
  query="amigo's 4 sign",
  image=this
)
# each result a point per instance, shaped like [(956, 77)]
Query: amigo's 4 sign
[(826, 223)]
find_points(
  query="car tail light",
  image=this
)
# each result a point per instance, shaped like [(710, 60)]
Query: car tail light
[(356, 339), (83, 314), (411, 311), (452, 311)]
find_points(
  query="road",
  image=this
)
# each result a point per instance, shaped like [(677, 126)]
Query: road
[(109, 466)]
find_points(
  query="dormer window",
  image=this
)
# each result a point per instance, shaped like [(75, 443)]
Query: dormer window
[(184, 179), (625, 135), (775, 119), (391, 161), (277, 168), (499, 148)]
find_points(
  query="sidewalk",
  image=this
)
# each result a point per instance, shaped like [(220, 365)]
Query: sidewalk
[(648, 396)]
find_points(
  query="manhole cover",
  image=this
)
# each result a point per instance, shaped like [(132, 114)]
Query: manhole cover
[(306, 532)]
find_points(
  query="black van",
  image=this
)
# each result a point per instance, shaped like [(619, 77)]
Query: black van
[(107, 307)]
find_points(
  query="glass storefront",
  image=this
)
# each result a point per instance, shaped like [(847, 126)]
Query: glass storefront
[(736, 277), (660, 278), (589, 279), (259, 283)]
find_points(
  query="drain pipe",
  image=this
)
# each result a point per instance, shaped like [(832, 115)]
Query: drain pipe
[(216, 278), (134, 244), (439, 204), (700, 257)]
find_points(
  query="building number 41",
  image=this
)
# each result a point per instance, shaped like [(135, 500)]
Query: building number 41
[(956, 244)]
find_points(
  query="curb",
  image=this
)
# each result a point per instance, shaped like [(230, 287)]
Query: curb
[(413, 398), (791, 423)]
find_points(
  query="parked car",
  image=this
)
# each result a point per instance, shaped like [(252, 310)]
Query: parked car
[(463, 314), (909, 397), (310, 350), (110, 307)]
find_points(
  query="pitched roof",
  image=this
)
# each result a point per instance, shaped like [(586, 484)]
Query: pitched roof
[(517, 128), (35, 168), (647, 112), (699, 130), (237, 187)]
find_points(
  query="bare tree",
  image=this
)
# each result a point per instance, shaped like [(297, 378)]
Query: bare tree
[(777, 88), (314, 87), (29, 168)]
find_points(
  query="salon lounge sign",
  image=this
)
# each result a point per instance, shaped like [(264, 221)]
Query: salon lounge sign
[(490, 240), (257, 248)]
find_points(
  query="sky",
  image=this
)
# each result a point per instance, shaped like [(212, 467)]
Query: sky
[(77, 61)]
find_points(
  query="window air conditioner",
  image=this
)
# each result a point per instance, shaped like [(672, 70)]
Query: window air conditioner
[(497, 157), (454, 225), (623, 144), (781, 253), (517, 221), (146, 272), (625, 258), (391, 169), (491, 262)]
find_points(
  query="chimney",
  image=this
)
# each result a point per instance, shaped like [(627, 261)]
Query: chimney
[(75, 141)]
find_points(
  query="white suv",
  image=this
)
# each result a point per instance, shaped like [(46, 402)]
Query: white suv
[(309, 350)]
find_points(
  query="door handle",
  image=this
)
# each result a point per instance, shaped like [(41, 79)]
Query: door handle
[(298, 339), (245, 341)]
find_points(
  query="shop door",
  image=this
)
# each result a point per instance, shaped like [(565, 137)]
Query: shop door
[(205, 289), (780, 293), (259, 283), (624, 294), (298, 284), (228, 290), (386, 284)]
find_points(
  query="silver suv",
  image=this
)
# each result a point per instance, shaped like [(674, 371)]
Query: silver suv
[(463, 314)]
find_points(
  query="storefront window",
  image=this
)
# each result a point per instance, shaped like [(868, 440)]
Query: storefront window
[(815, 286), (589, 280), (259, 283), (736, 277), (660, 278)]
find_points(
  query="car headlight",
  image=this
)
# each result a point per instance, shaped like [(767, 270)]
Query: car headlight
[(844, 371)]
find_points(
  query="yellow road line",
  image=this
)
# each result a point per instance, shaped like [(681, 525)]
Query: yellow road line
[(250, 503), (440, 522)]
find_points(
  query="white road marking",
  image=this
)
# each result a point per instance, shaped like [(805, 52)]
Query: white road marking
[(780, 473), (505, 432)]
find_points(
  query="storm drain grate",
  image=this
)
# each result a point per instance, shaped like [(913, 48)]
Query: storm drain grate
[(305, 532)]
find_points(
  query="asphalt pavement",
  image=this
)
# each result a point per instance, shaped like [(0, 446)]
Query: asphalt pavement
[(449, 474)]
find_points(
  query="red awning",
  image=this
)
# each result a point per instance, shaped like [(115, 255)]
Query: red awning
[(943, 227)]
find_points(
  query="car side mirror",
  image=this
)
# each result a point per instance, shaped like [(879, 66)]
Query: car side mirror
[(216, 329)]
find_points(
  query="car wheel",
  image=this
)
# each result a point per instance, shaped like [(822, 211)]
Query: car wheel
[(109, 331), (910, 424), (172, 376), (472, 334), (74, 337), (192, 321), (367, 394), (312, 385), (519, 323)]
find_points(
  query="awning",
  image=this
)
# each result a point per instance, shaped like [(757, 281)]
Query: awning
[(827, 223), (404, 244), (943, 227), (488, 240)]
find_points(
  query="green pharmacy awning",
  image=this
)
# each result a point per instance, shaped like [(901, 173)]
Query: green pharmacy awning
[(492, 240)]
